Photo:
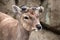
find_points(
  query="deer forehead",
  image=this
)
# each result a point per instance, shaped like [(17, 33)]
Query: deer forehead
[(32, 13), (29, 15), (32, 19)]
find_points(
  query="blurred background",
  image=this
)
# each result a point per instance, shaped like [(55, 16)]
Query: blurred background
[(50, 18)]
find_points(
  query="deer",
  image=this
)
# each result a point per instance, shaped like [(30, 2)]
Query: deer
[(27, 20)]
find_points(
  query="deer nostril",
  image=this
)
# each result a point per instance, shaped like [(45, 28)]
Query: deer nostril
[(38, 27)]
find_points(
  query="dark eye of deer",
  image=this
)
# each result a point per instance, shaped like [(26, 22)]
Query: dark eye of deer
[(26, 18)]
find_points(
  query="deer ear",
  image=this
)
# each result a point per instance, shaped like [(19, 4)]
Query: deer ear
[(16, 9), (41, 9)]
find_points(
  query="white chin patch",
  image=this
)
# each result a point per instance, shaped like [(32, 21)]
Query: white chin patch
[(36, 29)]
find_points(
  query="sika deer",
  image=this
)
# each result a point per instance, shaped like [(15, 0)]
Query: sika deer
[(27, 20)]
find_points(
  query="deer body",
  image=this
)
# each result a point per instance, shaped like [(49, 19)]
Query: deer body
[(12, 29), (8, 27)]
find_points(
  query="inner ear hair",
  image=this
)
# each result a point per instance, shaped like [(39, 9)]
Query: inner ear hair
[(41, 9), (16, 9)]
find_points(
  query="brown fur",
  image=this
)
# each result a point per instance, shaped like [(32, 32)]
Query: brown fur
[(12, 29), (8, 27)]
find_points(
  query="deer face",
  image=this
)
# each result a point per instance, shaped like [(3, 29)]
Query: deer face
[(29, 17)]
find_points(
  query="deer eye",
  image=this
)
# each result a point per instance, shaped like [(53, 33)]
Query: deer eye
[(26, 17)]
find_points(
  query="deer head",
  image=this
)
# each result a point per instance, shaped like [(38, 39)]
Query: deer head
[(29, 17)]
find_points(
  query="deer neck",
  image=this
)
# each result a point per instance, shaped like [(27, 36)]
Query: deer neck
[(22, 33)]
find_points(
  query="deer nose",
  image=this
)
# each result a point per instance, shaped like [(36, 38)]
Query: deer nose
[(38, 26)]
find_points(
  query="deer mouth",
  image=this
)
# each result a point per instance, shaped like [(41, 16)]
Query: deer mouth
[(37, 29)]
